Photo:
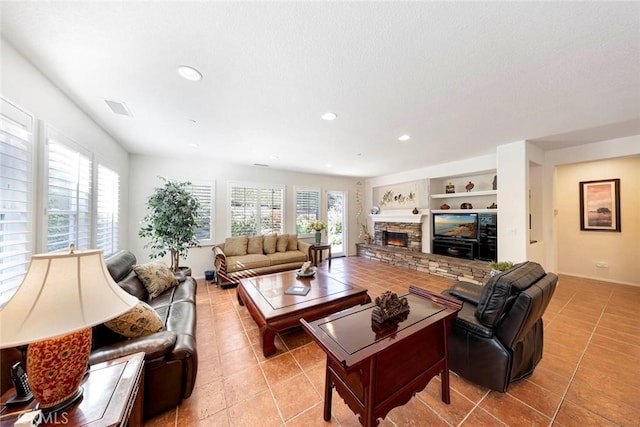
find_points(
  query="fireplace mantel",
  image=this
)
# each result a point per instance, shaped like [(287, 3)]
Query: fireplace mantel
[(401, 216)]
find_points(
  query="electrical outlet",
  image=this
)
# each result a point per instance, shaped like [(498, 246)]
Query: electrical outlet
[(602, 264)]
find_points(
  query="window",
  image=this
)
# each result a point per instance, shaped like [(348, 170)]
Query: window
[(204, 230), (16, 192), (68, 213), (255, 209), (107, 210), (307, 208)]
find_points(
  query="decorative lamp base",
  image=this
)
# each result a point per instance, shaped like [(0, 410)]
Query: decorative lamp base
[(56, 367)]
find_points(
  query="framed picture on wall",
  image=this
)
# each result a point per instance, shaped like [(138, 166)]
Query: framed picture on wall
[(600, 205)]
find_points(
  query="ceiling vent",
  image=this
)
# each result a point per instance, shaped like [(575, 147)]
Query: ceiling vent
[(118, 108)]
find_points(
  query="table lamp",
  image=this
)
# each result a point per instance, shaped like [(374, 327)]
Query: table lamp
[(61, 297)]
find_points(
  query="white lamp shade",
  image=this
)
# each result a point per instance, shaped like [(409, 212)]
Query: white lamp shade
[(61, 293)]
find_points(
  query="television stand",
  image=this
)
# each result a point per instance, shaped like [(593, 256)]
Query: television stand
[(456, 248)]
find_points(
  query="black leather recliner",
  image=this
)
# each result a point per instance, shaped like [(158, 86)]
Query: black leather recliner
[(497, 337)]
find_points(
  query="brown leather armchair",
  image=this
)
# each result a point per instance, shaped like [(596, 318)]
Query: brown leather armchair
[(497, 337)]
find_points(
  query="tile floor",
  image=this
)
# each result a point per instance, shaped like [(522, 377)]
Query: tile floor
[(589, 374)]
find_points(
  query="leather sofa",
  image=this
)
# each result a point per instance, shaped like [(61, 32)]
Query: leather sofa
[(497, 336), (246, 256), (171, 360)]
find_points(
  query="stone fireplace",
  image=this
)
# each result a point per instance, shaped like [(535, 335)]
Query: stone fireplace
[(398, 234)]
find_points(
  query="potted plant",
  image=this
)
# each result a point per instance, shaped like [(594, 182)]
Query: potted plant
[(498, 267), (171, 221)]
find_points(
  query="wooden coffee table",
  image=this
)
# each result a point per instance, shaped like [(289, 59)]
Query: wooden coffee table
[(275, 311)]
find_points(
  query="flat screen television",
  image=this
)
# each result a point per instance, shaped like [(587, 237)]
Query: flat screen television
[(455, 225)]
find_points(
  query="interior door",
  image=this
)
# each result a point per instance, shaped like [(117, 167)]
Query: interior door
[(337, 224)]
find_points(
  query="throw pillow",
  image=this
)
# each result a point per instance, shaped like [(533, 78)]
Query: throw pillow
[(236, 246), (156, 277), (293, 243), (283, 241), (270, 241), (139, 321), (255, 245)]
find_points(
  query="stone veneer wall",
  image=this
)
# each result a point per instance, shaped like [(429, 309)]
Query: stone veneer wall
[(413, 230), (473, 271)]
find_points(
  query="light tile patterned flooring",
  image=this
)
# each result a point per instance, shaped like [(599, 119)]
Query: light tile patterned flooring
[(589, 374)]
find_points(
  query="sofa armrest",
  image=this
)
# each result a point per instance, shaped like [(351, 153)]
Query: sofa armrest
[(304, 247), (220, 259), (466, 321), (153, 345), (466, 291)]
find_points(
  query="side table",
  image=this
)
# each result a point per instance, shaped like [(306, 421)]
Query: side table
[(113, 396), (376, 367), (315, 253)]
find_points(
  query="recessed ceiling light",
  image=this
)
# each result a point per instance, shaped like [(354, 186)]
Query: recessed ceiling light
[(273, 157), (193, 145), (189, 73), (404, 137), (329, 116), (118, 107), (329, 165)]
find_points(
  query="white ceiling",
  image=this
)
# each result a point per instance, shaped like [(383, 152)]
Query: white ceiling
[(460, 78)]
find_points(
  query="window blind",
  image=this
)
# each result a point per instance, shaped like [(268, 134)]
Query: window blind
[(68, 195), (16, 192), (307, 208), (256, 210), (107, 210), (204, 227)]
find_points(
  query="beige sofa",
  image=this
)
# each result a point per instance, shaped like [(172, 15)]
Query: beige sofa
[(246, 256)]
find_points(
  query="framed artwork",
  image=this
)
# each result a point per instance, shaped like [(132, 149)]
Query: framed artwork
[(600, 205)]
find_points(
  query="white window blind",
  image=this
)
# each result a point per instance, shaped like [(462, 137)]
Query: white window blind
[(307, 208), (16, 197), (107, 210), (204, 229), (256, 209), (68, 214)]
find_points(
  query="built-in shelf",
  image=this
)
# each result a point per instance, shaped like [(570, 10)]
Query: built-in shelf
[(464, 210), (410, 218), (465, 194)]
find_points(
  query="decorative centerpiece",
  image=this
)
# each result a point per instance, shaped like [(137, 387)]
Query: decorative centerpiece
[(389, 306), (316, 226)]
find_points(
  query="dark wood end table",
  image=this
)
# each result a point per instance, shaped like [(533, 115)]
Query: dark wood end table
[(374, 367), (273, 310), (113, 396), (315, 253)]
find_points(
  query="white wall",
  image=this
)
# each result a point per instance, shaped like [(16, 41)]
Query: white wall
[(144, 172), (513, 225), (579, 251), (25, 86)]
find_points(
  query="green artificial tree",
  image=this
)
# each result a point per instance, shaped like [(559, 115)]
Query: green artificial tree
[(171, 221)]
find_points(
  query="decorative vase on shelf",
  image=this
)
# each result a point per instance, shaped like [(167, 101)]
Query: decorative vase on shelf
[(415, 211), (450, 188), (318, 237)]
